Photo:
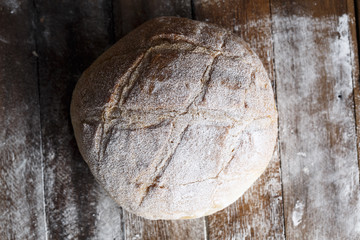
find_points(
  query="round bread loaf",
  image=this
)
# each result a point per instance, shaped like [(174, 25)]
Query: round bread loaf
[(176, 120)]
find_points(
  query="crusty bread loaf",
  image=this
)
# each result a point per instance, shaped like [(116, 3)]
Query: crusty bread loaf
[(176, 120)]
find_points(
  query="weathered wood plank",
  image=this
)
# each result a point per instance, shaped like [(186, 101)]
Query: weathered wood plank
[(314, 74), (71, 34), (258, 214), (354, 10), (140, 228), (129, 15), (21, 185)]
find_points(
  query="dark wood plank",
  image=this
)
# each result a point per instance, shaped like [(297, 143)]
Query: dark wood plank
[(258, 214), (21, 183), (314, 74), (70, 35), (129, 15)]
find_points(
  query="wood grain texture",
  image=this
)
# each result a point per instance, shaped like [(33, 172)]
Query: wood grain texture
[(21, 185), (258, 214), (70, 35), (127, 16), (354, 11), (140, 228), (130, 14), (314, 72)]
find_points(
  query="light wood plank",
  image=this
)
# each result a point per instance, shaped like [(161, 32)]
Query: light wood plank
[(129, 15), (21, 185), (258, 214), (71, 34), (314, 74)]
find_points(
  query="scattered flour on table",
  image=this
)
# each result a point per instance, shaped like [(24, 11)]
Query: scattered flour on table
[(20, 181), (342, 51), (298, 213), (3, 40), (108, 222), (12, 5), (302, 154)]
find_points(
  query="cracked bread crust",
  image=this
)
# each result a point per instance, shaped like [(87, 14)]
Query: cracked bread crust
[(176, 120)]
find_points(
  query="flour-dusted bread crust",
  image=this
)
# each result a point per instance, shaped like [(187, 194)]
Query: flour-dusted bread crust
[(176, 120)]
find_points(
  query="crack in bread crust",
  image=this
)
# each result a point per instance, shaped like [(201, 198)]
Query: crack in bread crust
[(159, 170), (111, 103), (226, 163)]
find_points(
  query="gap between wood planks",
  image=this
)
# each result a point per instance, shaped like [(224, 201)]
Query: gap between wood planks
[(35, 20), (278, 143)]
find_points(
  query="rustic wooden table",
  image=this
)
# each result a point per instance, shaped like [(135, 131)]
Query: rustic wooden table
[(309, 191)]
